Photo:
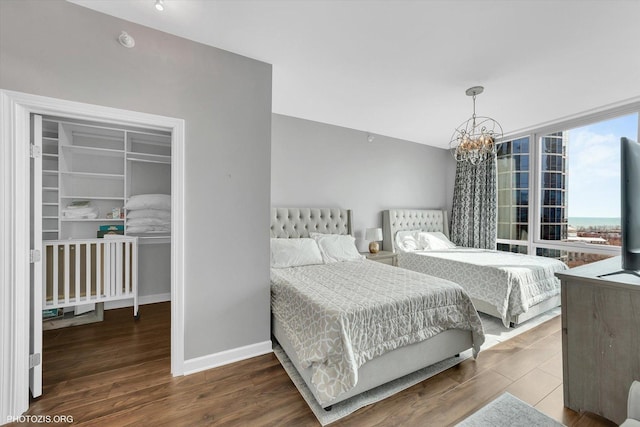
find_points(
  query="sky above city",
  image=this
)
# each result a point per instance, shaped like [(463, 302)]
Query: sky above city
[(594, 167)]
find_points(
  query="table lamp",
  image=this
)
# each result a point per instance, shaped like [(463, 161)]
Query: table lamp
[(374, 235)]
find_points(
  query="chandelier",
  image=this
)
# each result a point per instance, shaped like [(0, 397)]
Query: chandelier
[(475, 140)]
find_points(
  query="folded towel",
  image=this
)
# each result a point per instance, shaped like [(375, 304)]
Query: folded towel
[(80, 209), (79, 204)]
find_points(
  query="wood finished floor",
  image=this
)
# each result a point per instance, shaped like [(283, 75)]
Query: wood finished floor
[(118, 375)]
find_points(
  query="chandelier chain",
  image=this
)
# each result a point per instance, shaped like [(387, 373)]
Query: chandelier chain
[(474, 110)]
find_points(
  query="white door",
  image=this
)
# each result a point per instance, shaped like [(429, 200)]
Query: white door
[(35, 330)]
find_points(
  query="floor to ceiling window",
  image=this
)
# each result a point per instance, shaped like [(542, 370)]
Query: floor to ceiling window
[(559, 191)]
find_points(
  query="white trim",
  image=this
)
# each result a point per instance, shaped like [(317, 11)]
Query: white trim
[(588, 248), (15, 108), (214, 360), (14, 261), (616, 109), (177, 247), (145, 299)]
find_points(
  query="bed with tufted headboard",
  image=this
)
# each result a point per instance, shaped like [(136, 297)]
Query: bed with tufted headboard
[(299, 222), (338, 321), (512, 287)]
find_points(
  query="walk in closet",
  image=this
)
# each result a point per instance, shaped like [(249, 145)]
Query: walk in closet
[(91, 174)]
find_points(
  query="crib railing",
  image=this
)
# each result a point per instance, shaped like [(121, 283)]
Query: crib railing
[(85, 271)]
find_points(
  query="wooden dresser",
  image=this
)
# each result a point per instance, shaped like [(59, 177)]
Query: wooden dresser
[(600, 337)]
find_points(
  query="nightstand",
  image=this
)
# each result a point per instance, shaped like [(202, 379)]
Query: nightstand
[(385, 257)]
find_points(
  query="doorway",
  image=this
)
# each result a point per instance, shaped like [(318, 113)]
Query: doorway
[(15, 112)]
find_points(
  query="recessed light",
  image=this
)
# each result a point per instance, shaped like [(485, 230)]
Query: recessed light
[(159, 5)]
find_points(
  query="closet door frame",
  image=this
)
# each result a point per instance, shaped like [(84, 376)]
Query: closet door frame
[(15, 111)]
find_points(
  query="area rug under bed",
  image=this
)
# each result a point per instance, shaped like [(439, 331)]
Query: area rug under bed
[(495, 333), (346, 407)]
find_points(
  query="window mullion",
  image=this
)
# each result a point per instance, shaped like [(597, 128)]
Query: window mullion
[(534, 192)]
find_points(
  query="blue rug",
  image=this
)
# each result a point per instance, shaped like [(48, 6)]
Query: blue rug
[(508, 411)]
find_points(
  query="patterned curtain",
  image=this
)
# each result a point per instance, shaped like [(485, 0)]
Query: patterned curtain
[(474, 216)]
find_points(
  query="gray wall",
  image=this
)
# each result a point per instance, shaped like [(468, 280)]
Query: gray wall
[(319, 165), (58, 49), (154, 269)]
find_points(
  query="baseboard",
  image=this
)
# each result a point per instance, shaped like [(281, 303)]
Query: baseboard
[(214, 360), (142, 300)]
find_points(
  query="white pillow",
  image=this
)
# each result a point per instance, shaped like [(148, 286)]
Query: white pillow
[(434, 241), (147, 221), (149, 201), (294, 252), (149, 213), (337, 247), (407, 241)]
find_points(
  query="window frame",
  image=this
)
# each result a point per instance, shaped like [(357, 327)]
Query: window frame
[(535, 135), (513, 188)]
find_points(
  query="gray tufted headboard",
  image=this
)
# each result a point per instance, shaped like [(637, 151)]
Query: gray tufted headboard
[(299, 222), (394, 220)]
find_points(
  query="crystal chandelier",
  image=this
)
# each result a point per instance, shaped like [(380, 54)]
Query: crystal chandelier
[(475, 140)]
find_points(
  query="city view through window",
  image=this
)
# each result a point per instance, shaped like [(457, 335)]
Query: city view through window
[(578, 200)]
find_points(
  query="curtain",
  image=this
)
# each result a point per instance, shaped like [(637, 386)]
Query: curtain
[(474, 213)]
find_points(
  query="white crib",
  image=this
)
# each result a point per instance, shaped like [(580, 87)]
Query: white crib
[(86, 271)]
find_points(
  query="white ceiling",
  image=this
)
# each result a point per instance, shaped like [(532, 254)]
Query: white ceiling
[(400, 68)]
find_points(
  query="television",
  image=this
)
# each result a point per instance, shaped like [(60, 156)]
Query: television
[(630, 207)]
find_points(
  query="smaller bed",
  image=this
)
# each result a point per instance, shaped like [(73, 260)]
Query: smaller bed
[(349, 324), (512, 287)]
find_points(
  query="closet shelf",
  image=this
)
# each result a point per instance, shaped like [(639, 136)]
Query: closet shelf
[(90, 197), (149, 142), (98, 163), (93, 150), (64, 219), (149, 158), (98, 136), (93, 175)]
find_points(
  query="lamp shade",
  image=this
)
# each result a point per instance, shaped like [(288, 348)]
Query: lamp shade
[(373, 234)]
